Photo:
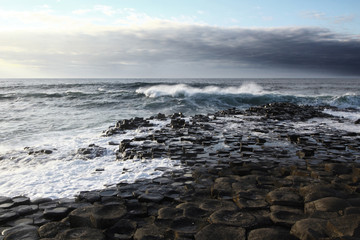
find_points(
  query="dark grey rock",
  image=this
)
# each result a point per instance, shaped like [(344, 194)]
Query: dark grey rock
[(148, 232), (56, 214), (22, 232), (277, 233), (309, 228), (80, 217), (344, 226), (284, 196), (151, 197), (81, 234), (233, 218), (218, 231), (169, 213), (328, 204), (51, 229), (107, 215)]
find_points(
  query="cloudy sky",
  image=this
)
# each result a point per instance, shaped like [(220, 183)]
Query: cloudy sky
[(168, 38)]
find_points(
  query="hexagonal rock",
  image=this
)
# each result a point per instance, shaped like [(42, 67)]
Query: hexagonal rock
[(286, 217), (123, 229), (277, 233), (22, 232), (148, 232), (169, 213), (21, 200), (253, 199), (4, 200), (344, 226), (51, 229), (81, 234), (328, 204), (107, 215), (309, 229), (56, 214), (314, 192), (151, 197), (7, 215), (216, 204), (233, 218), (219, 231), (284, 196), (81, 217)]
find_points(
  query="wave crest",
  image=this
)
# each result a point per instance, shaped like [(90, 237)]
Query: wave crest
[(185, 90)]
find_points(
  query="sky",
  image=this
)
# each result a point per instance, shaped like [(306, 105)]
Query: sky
[(179, 39)]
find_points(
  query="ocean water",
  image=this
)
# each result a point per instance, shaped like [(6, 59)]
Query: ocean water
[(63, 115)]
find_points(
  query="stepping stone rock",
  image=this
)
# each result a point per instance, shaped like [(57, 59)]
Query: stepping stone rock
[(328, 204), (148, 232), (169, 213), (284, 196), (81, 217), (286, 216), (344, 226), (310, 228), (219, 231), (315, 192), (151, 197), (107, 215), (22, 232), (123, 229), (56, 214), (81, 234), (233, 218), (215, 204), (270, 233), (21, 200), (51, 229), (7, 215), (5, 200)]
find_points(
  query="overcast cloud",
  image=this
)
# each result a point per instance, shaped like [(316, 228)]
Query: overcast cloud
[(169, 50)]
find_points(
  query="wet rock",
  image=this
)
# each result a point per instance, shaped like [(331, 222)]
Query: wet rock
[(50, 230), (5, 200), (81, 234), (107, 215), (151, 197), (310, 228), (277, 233), (148, 232), (328, 204), (81, 217), (252, 199), (7, 215), (285, 216), (284, 196), (357, 121), (317, 191), (56, 214), (169, 213), (21, 200), (344, 226), (184, 226), (123, 229), (93, 151), (218, 231), (22, 232), (239, 219)]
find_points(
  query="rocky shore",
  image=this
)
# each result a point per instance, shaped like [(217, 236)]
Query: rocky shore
[(270, 172)]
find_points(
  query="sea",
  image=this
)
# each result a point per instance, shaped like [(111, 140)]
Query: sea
[(64, 115)]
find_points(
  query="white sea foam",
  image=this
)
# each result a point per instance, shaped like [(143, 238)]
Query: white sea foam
[(186, 90), (65, 173)]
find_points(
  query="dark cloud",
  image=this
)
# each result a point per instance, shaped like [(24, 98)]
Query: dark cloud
[(150, 50)]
